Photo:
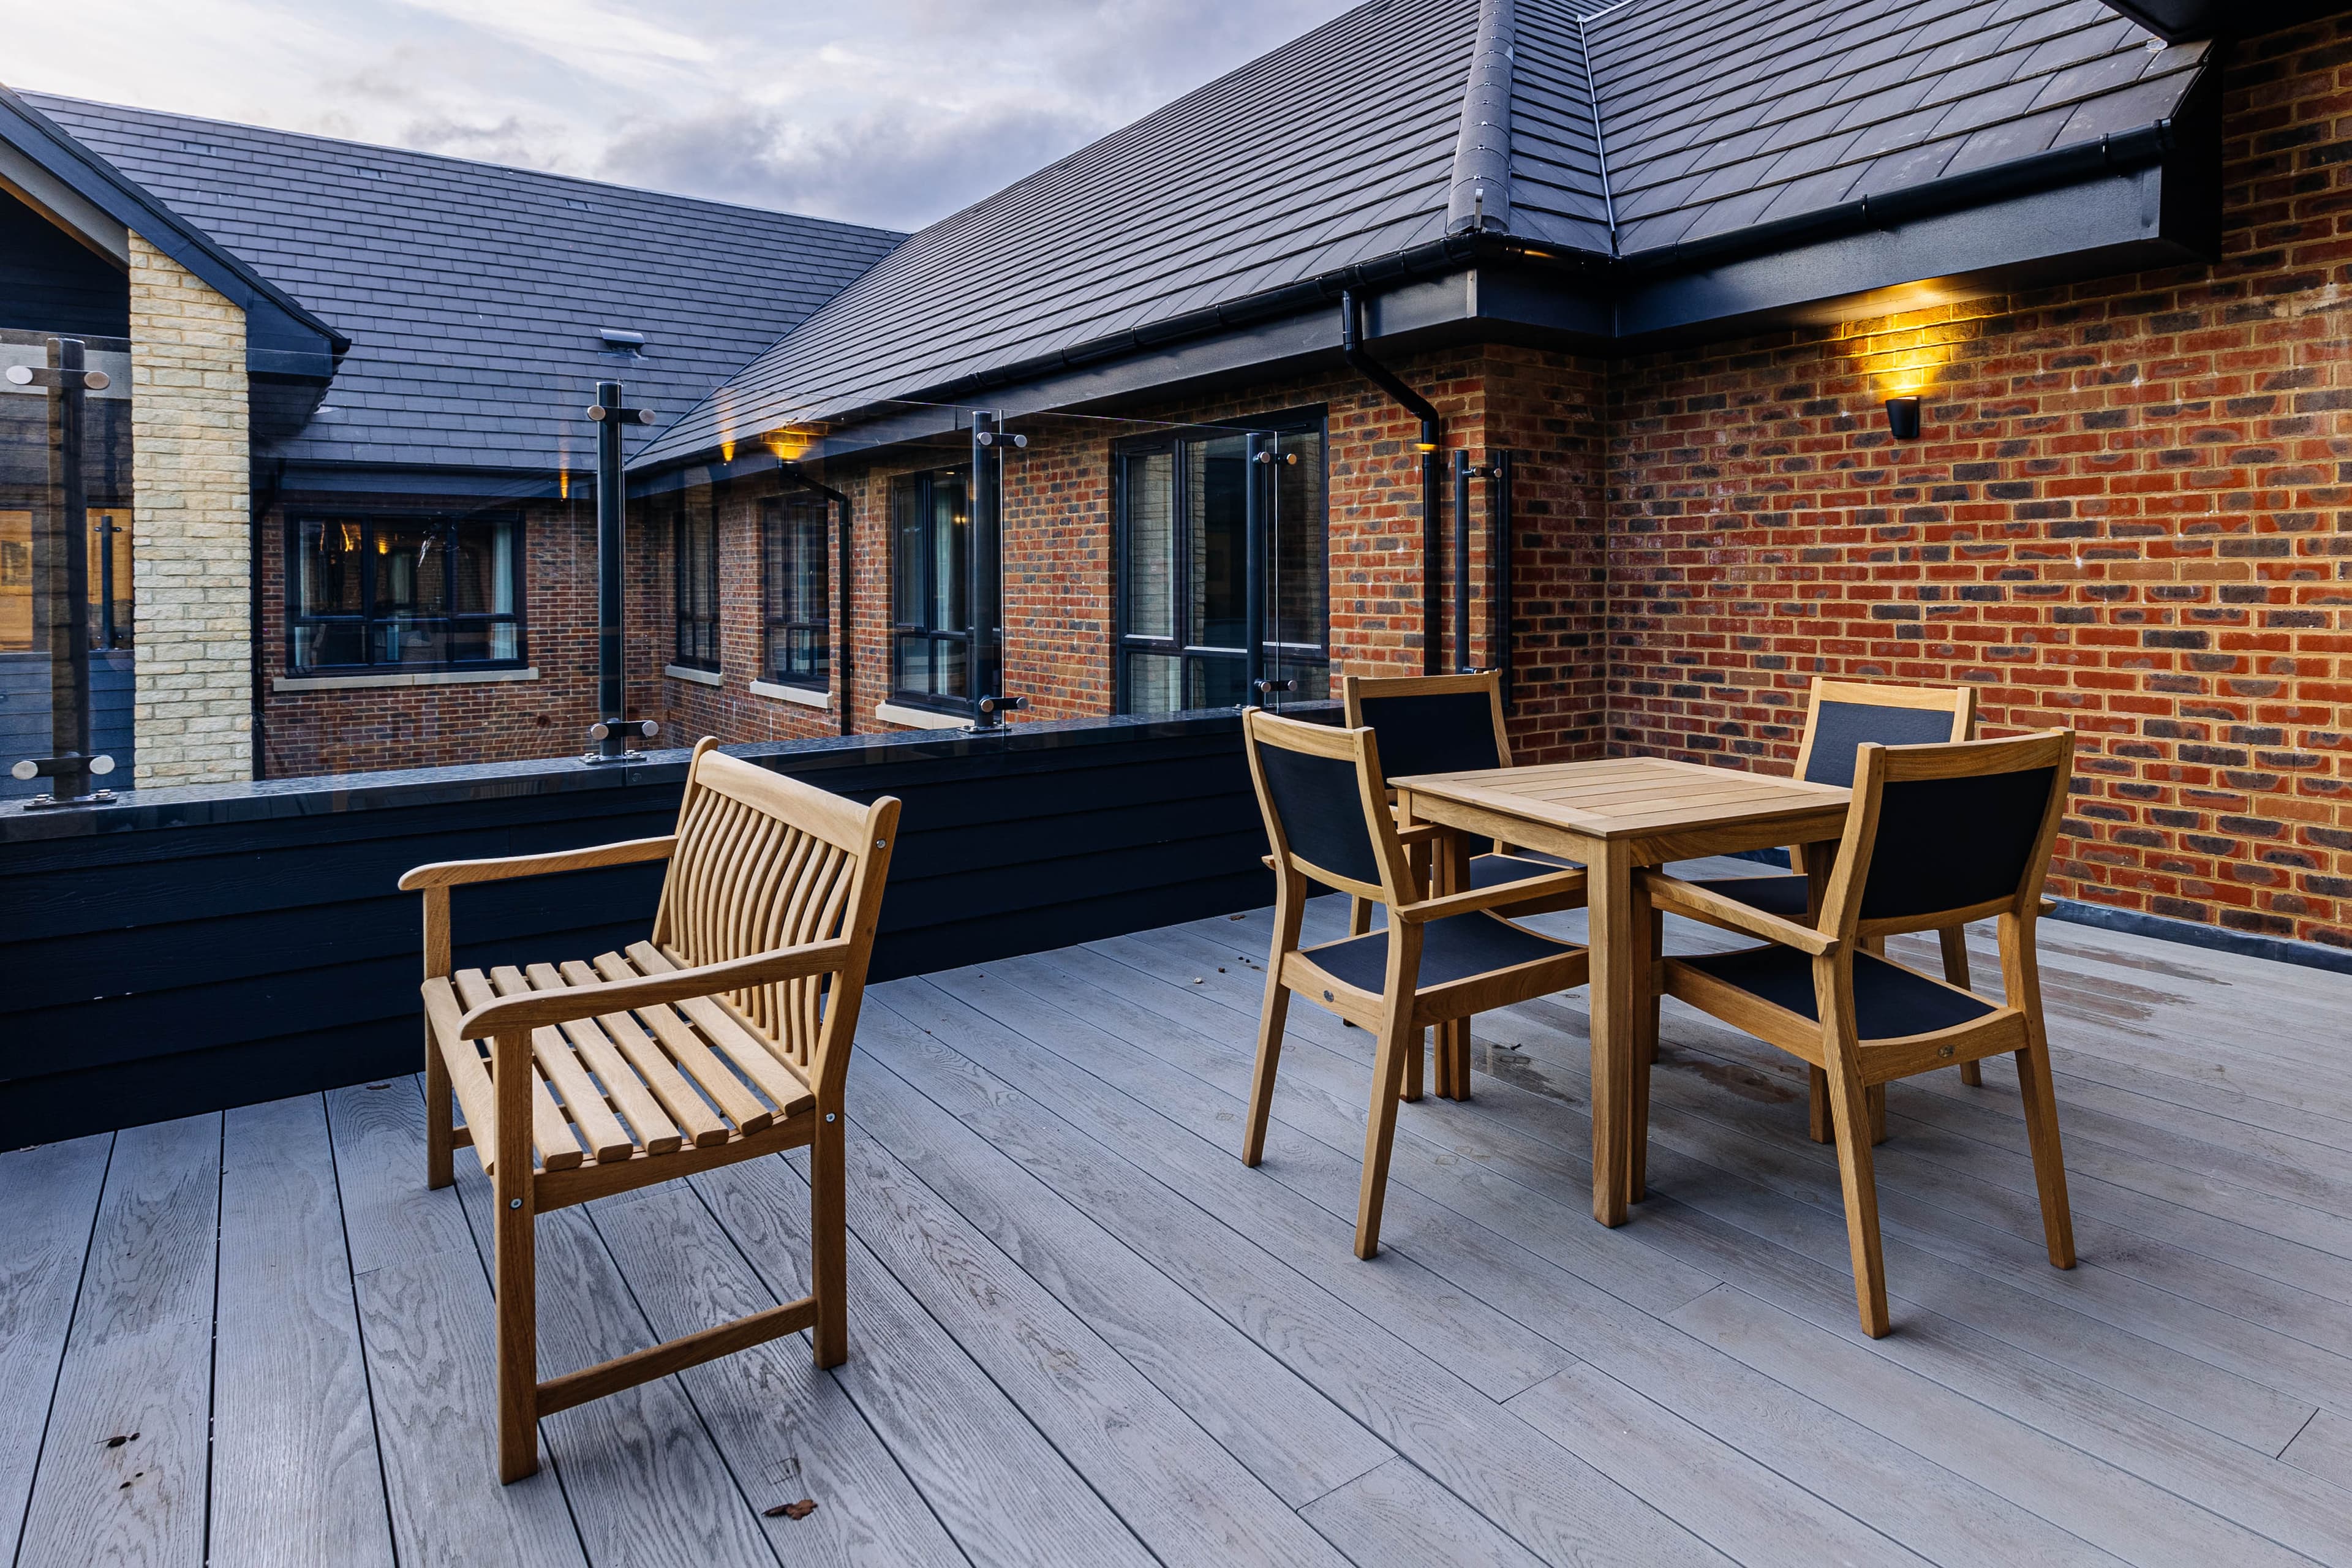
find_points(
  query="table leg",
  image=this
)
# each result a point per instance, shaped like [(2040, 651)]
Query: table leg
[(1453, 853), (1644, 929), (1616, 1035)]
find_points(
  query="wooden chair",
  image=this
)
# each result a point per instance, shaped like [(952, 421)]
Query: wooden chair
[(1841, 715), (1938, 835), (724, 1036), (1439, 959), (1446, 725)]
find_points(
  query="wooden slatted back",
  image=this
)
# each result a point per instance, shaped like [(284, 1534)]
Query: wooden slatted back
[(766, 862)]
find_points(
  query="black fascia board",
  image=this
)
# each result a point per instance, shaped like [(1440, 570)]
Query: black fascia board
[(2143, 198), (282, 336), (2179, 21)]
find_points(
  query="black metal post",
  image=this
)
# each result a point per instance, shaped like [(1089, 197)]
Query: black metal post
[(1257, 473), (1463, 663), (106, 530), (984, 575), (1499, 563), (61, 582), (608, 738)]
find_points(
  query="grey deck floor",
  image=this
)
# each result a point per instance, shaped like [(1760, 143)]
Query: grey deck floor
[(1084, 1333)]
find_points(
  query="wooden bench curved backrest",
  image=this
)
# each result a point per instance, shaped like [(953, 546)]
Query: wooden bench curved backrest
[(766, 862)]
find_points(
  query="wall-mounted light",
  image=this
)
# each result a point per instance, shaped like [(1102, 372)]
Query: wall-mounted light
[(1903, 417)]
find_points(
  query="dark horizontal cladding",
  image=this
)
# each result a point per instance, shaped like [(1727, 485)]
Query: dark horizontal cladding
[(1603, 299), (188, 951)]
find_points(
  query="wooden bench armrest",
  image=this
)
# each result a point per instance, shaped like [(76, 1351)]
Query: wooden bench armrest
[(1519, 892), (533, 1009), (1690, 899), (450, 873)]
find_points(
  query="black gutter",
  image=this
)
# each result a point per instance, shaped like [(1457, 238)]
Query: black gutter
[(1433, 433), (843, 641)]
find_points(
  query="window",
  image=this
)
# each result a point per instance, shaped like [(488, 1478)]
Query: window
[(697, 580), (1183, 608), (930, 528), (798, 628), (373, 591)]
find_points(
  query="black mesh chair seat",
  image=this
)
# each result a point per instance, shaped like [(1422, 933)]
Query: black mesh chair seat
[(1459, 947), (1889, 1001), (1782, 896), (1494, 870)]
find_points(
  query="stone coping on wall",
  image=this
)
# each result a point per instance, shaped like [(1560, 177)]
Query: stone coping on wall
[(405, 678), (195, 806)]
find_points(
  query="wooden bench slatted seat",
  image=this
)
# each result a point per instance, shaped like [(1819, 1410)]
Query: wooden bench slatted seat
[(723, 1036)]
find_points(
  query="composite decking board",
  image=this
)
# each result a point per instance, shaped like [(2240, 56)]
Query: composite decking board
[(1397, 1514), (295, 1480), (53, 1191), (784, 1427), (1071, 1119), (1003, 1493), (1185, 1498), (1264, 1258), (1840, 1461), (138, 1364), (1293, 1438), (641, 1471), (425, 1316), (1470, 1341)]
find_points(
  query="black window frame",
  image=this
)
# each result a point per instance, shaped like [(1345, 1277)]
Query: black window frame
[(935, 640), (1126, 642), (815, 514), (685, 652), (371, 519)]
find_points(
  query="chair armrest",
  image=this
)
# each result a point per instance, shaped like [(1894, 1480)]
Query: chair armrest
[(1519, 892), (1690, 899), (1419, 833), (535, 1008), (450, 873)]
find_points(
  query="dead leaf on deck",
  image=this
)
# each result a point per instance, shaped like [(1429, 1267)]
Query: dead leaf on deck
[(118, 1439), (800, 1510)]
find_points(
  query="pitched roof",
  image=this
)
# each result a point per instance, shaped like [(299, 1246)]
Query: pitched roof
[(474, 295), (1616, 131)]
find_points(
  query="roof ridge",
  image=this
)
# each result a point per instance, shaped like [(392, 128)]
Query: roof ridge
[(1599, 132), (1479, 194)]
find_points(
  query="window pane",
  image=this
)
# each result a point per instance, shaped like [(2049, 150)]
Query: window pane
[(330, 642), (411, 574), (405, 641), (951, 532), (1149, 491), (16, 581), (797, 576), (109, 568), (912, 669), (1151, 683), (906, 576), (1297, 586), (329, 578), (485, 565), (1214, 682), (1216, 471)]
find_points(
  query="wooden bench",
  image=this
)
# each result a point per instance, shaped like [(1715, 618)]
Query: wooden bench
[(723, 1036)]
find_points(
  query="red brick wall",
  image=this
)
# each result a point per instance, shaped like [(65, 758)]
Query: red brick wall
[(2124, 516)]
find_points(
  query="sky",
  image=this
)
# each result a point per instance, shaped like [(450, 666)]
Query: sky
[(891, 112)]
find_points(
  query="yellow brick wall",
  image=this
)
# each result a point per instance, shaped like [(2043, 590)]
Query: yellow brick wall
[(192, 704)]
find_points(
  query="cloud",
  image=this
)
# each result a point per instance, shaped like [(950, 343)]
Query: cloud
[(893, 113)]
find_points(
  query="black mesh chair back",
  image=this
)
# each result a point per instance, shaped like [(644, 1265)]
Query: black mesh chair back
[(1323, 796), (1431, 724), (1846, 715)]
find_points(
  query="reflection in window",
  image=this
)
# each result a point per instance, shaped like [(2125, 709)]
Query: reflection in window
[(375, 591), (929, 529), (799, 627), (696, 545), (1183, 608)]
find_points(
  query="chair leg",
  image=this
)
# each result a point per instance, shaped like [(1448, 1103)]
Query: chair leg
[(1398, 1036), (1270, 1020), (1955, 943), (1817, 1106), (1360, 915), (1874, 1097), (1413, 1064), (829, 1241), (440, 1121), (2022, 980), (1860, 1186), (1652, 932)]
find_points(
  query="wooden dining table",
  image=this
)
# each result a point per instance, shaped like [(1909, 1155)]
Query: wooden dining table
[(1613, 816)]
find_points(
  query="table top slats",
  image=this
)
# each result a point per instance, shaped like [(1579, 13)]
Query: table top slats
[(1625, 797)]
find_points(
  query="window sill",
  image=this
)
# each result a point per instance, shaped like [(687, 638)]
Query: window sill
[(699, 677), (920, 717), (402, 677), (806, 696)]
